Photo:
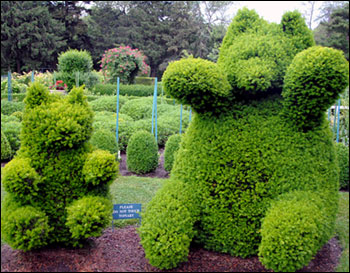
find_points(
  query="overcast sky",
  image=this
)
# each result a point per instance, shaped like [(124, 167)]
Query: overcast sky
[(272, 11)]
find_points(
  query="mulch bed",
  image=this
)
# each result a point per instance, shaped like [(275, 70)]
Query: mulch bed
[(119, 250)]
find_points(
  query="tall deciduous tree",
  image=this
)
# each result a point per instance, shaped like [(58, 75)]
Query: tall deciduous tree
[(30, 37)]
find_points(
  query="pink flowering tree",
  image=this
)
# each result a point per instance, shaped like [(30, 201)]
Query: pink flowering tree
[(123, 62)]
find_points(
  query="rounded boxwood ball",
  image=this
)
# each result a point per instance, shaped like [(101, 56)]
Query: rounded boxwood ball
[(142, 153)]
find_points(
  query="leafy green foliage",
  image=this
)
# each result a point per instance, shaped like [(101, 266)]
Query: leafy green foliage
[(54, 167), (171, 147), (238, 170), (313, 81), (343, 160), (197, 82), (9, 107), (105, 140), (167, 225), (256, 63), (6, 151), (12, 131), (142, 153), (31, 37), (294, 229), (88, 216), (100, 168)]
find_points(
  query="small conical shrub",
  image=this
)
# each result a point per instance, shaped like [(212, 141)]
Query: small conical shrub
[(142, 153), (171, 147)]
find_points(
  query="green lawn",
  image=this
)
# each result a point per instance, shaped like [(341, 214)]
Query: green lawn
[(133, 189)]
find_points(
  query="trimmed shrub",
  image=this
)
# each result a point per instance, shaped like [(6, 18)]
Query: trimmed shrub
[(6, 151), (312, 83), (55, 168), (343, 160), (75, 60), (9, 107), (171, 147), (197, 82), (142, 153), (138, 108), (105, 140)]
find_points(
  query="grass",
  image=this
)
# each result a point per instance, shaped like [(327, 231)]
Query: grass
[(133, 189)]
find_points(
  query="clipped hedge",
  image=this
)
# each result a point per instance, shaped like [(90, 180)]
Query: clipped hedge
[(139, 90), (343, 160), (12, 131), (142, 153), (312, 83), (171, 147), (107, 103), (9, 107)]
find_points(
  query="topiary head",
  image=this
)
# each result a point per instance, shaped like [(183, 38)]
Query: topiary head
[(52, 122), (253, 59)]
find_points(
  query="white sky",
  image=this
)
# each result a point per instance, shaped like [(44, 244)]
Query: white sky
[(272, 11)]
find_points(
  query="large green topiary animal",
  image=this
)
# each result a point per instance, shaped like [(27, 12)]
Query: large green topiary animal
[(57, 187), (256, 172)]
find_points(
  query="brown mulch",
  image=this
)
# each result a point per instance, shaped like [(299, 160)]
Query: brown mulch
[(119, 250)]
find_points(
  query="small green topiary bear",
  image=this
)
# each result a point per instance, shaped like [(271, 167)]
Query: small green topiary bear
[(256, 172), (58, 188)]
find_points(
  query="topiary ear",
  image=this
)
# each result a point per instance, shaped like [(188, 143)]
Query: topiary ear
[(76, 95), (294, 26), (312, 83), (37, 94)]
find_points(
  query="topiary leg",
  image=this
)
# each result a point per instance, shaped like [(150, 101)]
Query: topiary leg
[(87, 217), (24, 228), (167, 225), (295, 228)]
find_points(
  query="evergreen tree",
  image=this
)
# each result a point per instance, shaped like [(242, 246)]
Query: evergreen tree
[(30, 37), (333, 31)]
